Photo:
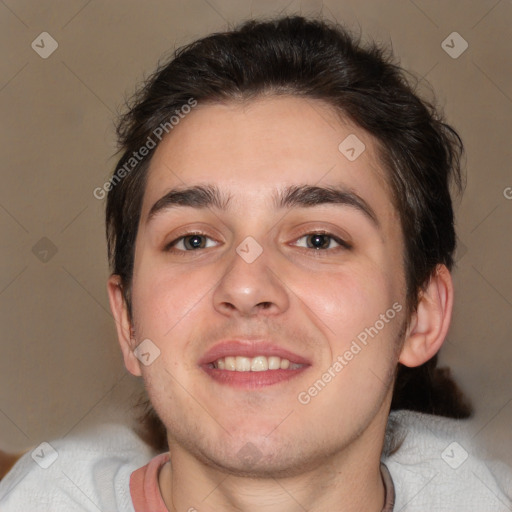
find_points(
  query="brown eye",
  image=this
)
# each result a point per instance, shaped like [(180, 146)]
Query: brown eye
[(189, 243), (321, 240)]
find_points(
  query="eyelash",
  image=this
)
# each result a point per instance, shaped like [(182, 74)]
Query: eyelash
[(343, 245)]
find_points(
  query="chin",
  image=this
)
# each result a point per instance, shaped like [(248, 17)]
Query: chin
[(260, 457), (249, 462)]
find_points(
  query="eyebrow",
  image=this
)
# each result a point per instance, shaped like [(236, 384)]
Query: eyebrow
[(293, 196)]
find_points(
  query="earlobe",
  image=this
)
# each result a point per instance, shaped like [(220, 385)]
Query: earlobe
[(431, 321), (123, 324)]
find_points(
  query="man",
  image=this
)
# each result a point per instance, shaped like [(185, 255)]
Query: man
[(281, 236)]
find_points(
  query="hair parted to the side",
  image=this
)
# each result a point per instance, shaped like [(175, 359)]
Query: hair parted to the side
[(313, 59)]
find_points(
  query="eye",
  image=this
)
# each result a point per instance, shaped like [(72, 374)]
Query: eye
[(189, 242), (322, 240)]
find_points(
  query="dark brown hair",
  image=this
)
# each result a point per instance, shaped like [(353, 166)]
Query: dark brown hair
[(314, 59)]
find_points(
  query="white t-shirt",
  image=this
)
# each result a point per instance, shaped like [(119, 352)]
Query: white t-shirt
[(436, 469)]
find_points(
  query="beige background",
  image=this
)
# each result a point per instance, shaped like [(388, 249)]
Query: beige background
[(60, 367)]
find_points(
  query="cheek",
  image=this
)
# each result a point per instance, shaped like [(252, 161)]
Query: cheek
[(347, 301), (162, 298), (362, 336)]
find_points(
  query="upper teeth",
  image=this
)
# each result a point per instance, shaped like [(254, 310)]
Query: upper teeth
[(254, 364)]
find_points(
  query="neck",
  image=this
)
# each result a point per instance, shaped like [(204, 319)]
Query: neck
[(349, 480)]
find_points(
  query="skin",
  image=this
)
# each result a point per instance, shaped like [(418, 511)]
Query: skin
[(315, 456)]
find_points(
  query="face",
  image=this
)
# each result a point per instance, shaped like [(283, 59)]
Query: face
[(273, 317)]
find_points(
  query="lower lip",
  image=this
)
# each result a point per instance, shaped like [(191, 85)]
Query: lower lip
[(252, 380)]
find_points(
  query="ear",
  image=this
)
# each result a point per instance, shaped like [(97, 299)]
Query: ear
[(123, 324), (431, 321)]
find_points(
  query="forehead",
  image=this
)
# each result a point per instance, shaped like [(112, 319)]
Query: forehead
[(255, 148)]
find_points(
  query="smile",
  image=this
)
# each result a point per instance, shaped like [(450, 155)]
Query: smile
[(253, 364)]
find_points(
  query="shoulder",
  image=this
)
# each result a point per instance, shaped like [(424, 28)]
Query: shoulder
[(438, 467), (85, 471)]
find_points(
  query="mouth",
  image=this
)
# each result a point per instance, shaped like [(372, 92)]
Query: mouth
[(251, 365), (255, 364)]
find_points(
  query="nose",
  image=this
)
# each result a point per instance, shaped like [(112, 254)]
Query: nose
[(250, 288)]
